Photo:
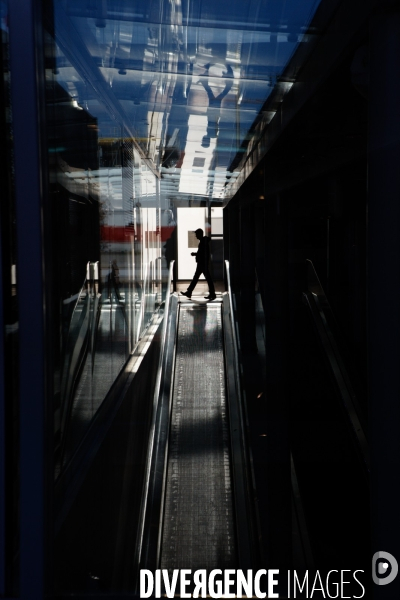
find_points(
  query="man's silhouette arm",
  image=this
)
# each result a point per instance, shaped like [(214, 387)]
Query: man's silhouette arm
[(213, 100)]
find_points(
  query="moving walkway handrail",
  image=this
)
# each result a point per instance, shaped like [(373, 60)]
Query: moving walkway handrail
[(316, 300), (156, 396), (240, 458), (72, 358), (235, 341)]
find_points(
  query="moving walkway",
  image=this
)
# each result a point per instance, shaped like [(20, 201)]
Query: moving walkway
[(162, 478), (197, 507)]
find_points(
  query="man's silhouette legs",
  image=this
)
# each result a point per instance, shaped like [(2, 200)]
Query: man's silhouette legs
[(206, 273), (211, 288)]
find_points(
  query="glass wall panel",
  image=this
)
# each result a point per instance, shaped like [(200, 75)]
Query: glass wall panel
[(105, 210)]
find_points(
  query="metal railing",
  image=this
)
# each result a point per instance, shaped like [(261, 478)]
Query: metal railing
[(241, 463), (156, 397), (318, 304), (233, 325)]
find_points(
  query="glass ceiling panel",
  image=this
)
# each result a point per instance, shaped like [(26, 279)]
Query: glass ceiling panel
[(187, 78)]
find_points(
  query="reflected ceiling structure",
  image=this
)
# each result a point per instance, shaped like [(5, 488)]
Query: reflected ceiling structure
[(187, 78)]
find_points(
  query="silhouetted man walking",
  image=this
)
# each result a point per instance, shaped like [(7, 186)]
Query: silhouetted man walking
[(202, 258)]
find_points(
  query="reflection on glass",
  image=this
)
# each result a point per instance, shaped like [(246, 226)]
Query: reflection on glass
[(106, 242), (148, 107)]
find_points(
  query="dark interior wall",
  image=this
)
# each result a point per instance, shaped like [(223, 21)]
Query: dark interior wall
[(307, 199), (326, 224)]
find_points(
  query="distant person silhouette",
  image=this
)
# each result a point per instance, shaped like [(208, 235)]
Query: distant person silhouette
[(202, 258), (113, 281)]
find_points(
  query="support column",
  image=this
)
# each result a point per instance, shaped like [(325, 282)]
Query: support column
[(277, 450), (384, 287)]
